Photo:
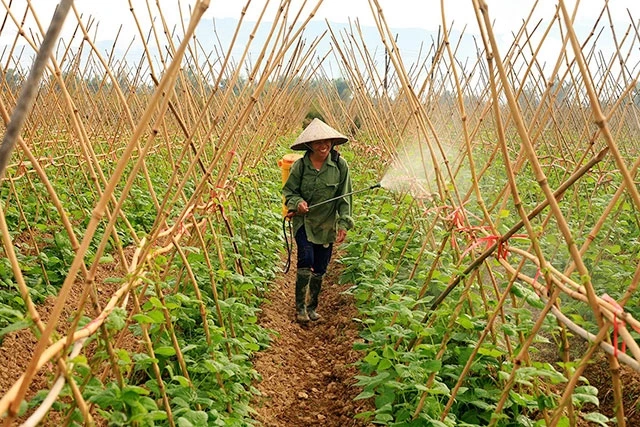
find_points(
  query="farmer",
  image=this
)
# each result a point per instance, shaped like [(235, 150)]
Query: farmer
[(321, 174)]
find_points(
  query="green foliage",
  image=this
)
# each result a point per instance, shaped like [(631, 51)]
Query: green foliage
[(393, 285), (217, 387), (130, 405), (404, 365)]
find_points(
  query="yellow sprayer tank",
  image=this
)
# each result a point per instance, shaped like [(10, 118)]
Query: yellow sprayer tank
[(285, 165)]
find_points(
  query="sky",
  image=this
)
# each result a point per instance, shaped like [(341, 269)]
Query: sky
[(507, 15)]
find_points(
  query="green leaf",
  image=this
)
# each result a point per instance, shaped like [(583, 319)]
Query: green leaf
[(517, 398), (117, 319), (366, 394), (157, 315), (106, 259), (372, 359), (196, 418), (21, 324), (465, 322), (534, 300), (188, 348), (166, 351), (142, 318), (156, 302), (252, 346), (614, 249), (179, 402), (587, 389), (437, 423), (517, 290), (136, 389), (482, 405), (107, 397), (364, 415), (384, 365), (385, 399), (143, 360), (384, 417), (598, 418), (148, 403), (80, 359), (123, 355), (432, 365), (130, 398), (389, 352), (156, 415), (439, 388), (581, 398), (181, 380), (546, 370), (499, 416), (490, 352), (183, 422)]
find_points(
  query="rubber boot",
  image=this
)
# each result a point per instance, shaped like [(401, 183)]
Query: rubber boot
[(315, 285), (302, 282)]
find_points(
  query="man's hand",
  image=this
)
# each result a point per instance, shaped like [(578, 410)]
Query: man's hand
[(303, 208), (342, 234)]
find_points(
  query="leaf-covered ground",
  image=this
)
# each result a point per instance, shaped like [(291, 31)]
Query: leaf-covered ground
[(308, 373)]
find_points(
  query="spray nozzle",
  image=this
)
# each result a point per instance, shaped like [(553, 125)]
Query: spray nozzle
[(378, 185)]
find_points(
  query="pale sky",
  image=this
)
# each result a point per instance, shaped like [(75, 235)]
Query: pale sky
[(507, 14)]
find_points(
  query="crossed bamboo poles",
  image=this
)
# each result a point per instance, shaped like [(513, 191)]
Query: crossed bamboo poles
[(240, 119), (389, 107), (538, 100)]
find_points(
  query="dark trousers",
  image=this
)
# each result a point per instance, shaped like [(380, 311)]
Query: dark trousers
[(313, 256)]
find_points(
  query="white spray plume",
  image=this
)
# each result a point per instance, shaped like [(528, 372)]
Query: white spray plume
[(412, 170)]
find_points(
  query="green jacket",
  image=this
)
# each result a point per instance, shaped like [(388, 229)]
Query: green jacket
[(306, 183)]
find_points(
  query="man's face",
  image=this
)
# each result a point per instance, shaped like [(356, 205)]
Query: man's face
[(321, 147)]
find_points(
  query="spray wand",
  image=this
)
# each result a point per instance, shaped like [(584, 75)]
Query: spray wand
[(291, 214), (345, 195)]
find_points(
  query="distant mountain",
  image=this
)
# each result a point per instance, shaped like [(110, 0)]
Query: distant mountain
[(215, 35), (412, 42)]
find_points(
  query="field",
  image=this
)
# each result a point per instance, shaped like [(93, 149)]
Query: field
[(491, 280)]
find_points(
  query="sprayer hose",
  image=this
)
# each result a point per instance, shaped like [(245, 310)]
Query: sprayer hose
[(288, 242)]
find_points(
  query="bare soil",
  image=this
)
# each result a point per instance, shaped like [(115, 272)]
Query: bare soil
[(598, 374), (17, 347), (308, 372)]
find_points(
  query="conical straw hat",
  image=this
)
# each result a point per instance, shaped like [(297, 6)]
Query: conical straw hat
[(318, 130)]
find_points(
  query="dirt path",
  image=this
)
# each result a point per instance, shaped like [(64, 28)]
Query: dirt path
[(308, 370)]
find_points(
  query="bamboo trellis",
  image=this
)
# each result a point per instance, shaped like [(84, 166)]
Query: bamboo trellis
[(529, 119), (153, 155)]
